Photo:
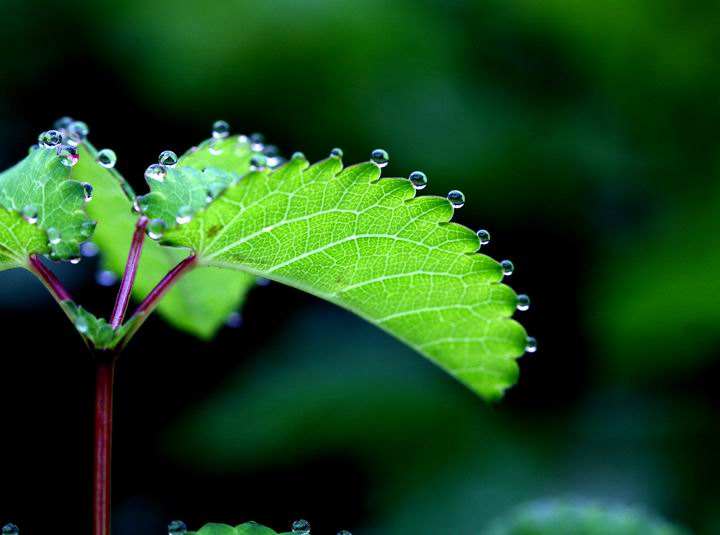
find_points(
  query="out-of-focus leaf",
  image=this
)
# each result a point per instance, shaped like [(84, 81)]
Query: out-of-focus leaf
[(568, 518), (248, 528)]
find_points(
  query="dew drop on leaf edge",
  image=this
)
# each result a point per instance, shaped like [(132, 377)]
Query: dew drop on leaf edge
[(456, 198), (167, 158), (531, 344), (68, 155), (77, 132), (184, 215), (220, 129), (53, 235), (155, 229), (81, 324), (49, 139), (301, 527), (484, 236), (258, 163), (177, 527), (30, 213), (10, 529), (156, 172), (418, 179), (522, 302), (380, 157), (336, 153), (87, 191), (507, 267), (234, 320), (106, 158)]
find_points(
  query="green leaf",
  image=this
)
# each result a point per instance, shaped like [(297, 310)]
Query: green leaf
[(367, 245), (559, 518), (248, 528), (97, 331), (38, 189), (201, 301)]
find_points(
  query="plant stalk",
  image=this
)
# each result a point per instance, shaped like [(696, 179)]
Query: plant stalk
[(128, 278), (48, 278), (104, 379)]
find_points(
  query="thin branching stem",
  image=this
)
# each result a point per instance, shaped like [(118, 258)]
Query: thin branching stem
[(51, 282), (128, 278)]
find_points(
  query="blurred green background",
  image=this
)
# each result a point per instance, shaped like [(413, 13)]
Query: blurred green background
[(584, 137)]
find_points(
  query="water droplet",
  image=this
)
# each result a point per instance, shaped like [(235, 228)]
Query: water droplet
[(344, 532), (81, 324), (214, 191), (89, 249), (88, 191), (299, 156), (87, 228), (30, 213), (53, 235), (530, 344), (177, 527), (257, 142), (10, 529), (63, 123), (456, 198), (168, 158), (275, 161), (242, 139), (336, 153), (507, 267), (301, 526), (107, 158), (75, 260), (155, 229), (484, 236), (380, 157), (156, 172), (68, 155), (105, 277), (258, 163), (271, 150), (50, 139), (184, 215), (214, 147), (234, 320), (262, 281), (523, 302), (418, 179), (77, 132), (220, 130)]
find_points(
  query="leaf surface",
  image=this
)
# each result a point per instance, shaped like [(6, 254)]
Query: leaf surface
[(368, 245), (42, 211), (248, 528)]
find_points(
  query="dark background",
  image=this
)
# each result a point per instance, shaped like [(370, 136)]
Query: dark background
[(584, 135)]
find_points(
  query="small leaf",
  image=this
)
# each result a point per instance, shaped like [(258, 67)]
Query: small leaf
[(96, 330), (201, 301), (248, 528), (560, 518), (367, 245), (38, 189)]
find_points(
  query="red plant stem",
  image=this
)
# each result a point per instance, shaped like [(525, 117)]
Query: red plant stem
[(49, 279), (104, 375), (152, 299), (128, 278)]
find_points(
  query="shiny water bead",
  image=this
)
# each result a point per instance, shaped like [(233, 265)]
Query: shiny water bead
[(107, 158), (184, 215), (456, 198), (89, 249), (242, 139), (30, 213), (68, 155), (81, 324), (336, 153), (299, 156), (168, 158), (50, 139), (214, 190), (234, 320), (302, 527), (275, 161), (523, 302), (177, 527), (214, 147), (10, 529), (258, 163), (53, 235), (507, 267), (87, 228), (105, 277), (220, 130), (155, 229), (530, 344), (63, 123), (257, 142), (75, 260), (380, 157), (77, 132), (156, 172), (344, 532), (418, 179), (87, 191), (484, 236), (271, 150)]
